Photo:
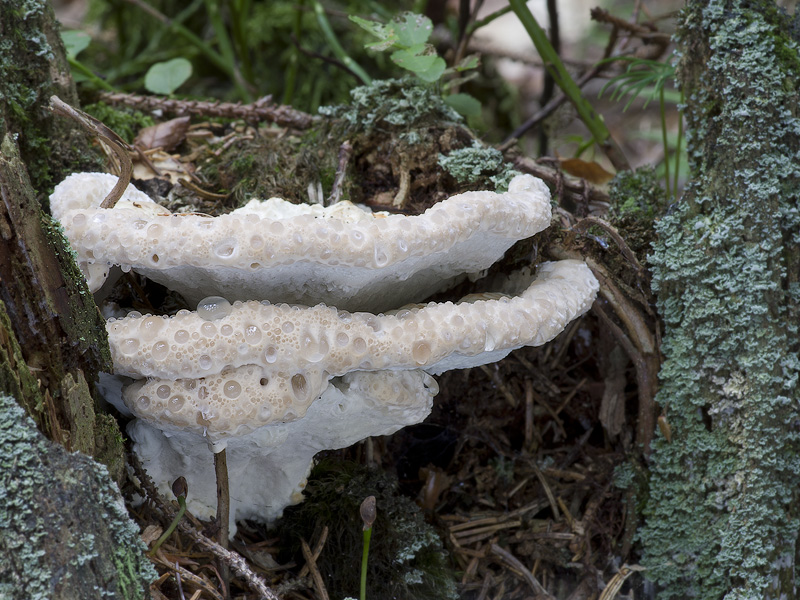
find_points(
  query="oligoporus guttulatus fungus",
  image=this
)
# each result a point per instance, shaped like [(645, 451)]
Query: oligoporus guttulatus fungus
[(340, 255), (274, 383)]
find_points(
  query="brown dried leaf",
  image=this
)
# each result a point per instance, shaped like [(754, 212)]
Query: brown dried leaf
[(151, 533), (166, 135), (590, 171)]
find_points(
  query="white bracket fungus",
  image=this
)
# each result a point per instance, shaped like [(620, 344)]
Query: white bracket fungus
[(275, 383), (239, 375), (305, 254)]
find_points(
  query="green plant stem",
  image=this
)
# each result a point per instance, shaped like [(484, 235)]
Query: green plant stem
[(488, 19), (364, 557), (290, 79), (87, 72), (217, 59), (663, 108), (561, 77), (240, 10), (172, 526), (336, 47)]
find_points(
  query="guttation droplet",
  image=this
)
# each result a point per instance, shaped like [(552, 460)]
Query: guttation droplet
[(213, 308)]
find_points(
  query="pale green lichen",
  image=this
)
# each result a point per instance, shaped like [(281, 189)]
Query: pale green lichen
[(50, 546), (395, 102), (722, 518), (469, 165)]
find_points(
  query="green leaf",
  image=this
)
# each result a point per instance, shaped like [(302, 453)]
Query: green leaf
[(386, 34), (464, 104), (413, 59), (434, 73), (166, 77), (75, 42), (411, 29), (468, 62)]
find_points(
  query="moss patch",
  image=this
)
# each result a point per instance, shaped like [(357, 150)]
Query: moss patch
[(406, 560)]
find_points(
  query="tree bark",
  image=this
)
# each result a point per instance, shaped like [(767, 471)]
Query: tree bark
[(722, 518), (64, 532), (33, 67)]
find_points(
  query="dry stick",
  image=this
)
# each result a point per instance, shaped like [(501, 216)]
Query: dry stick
[(262, 109), (317, 551), (584, 224), (641, 345), (513, 562), (345, 151), (119, 146), (312, 567), (501, 385), (223, 512), (572, 189), (548, 492), (233, 559)]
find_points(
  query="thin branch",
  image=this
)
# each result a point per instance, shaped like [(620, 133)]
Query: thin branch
[(120, 147), (262, 109), (231, 558)]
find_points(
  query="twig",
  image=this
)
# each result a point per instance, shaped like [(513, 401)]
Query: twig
[(262, 109), (548, 492), (495, 377), (231, 558), (584, 224), (119, 146), (571, 189), (223, 511), (513, 562), (646, 32), (317, 551), (312, 567), (345, 151)]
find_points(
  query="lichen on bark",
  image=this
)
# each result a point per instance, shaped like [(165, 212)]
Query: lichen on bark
[(33, 67), (64, 530), (722, 518)]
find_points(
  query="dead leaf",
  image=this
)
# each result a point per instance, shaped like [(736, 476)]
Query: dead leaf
[(150, 534), (436, 482), (590, 171), (166, 135)]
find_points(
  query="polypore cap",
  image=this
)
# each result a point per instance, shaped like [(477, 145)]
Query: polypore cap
[(341, 255), (252, 364)]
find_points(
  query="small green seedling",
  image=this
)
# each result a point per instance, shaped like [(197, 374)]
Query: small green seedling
[(180, 489), (368, 513), (407, 37), (166, 77)]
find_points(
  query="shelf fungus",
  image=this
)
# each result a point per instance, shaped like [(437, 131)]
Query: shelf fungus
[(342, 255), (276, 364), (275, 384)]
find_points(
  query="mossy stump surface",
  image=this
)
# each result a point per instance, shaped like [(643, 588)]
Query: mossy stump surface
[(64, 530), (722, 519)]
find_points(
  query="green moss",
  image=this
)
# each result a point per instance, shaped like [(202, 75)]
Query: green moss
[(125, 121), (406, 560), (32, 68), (636, 194), (15, 377), (85, 326), (723, 515)]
